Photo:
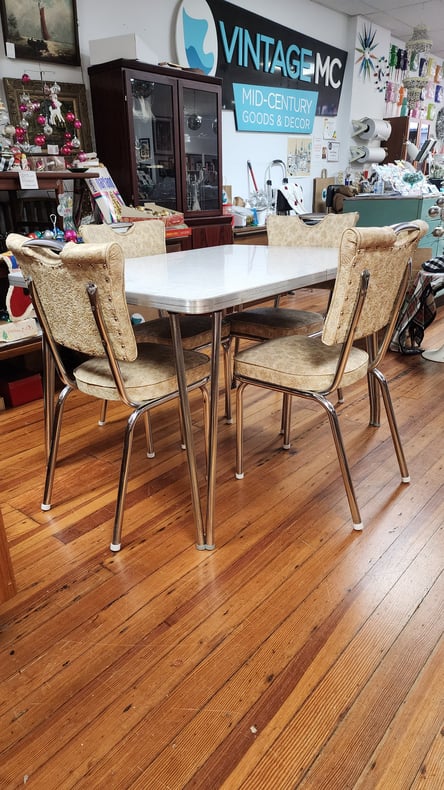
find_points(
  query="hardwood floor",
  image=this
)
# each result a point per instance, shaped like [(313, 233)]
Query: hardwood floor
[(298, 654)]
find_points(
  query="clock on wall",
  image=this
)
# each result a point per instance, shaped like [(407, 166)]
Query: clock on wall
[(440, 125)]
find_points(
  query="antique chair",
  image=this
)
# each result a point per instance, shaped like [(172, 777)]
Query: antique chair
[(79, 298), (148, 238), (370, 285)]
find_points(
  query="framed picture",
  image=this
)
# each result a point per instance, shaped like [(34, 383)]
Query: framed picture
[(71, 97), (43, 31), (163, 136), (145, 148)]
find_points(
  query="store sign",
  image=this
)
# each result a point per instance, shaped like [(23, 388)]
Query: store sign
[(260, 62), (261, 109)]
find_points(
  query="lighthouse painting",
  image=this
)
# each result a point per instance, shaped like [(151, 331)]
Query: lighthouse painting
[(43, 30)]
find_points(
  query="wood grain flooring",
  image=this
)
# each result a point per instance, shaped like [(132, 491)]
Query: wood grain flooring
[(298, 654)]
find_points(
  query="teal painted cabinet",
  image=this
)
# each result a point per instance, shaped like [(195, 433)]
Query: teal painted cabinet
[(379, 210)]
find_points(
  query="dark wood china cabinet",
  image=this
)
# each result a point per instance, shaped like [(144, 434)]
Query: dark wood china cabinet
[(157, 130)]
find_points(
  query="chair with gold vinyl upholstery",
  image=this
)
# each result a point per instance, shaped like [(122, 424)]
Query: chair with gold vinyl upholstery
[(370, 285), (79, 298), (148, 238), (266, 323)]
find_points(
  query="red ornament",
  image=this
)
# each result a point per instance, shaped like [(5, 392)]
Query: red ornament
[(68, 136), (26, 78), (70, 235), (70, 117), (40, 139), (41, 120), (77, 124), (66, 150)]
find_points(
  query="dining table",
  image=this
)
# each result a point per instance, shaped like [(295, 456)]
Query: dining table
[(215, 280), (206, 281)]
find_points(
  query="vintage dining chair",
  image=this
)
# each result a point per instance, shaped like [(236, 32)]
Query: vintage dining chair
[(266, 323), (373, 272), (196, 331), (79, 298)]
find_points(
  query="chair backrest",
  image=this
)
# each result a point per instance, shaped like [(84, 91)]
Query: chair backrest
[(386, 254), (146, 237), (60, 282), (294, 232)]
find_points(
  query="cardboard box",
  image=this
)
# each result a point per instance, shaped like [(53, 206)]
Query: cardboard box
[(22, 391), (129, 46)]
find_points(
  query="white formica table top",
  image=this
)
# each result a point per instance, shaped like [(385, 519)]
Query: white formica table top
[(215, 278)]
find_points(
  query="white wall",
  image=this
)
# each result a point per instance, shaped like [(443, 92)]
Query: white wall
[(154, 24)]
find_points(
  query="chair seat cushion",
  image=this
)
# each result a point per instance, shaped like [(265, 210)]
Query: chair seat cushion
[(151, 375), (300, 363), (265, 323), (196, 331)]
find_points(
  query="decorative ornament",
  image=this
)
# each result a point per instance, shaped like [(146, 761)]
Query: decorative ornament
[(440, 125), (420, 41), (194, 122), (381, 73)]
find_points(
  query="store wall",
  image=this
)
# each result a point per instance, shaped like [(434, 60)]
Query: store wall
[(154, 25)]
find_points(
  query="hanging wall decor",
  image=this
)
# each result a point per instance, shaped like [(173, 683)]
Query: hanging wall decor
[(41, 30), (367, 59), (56, 113)]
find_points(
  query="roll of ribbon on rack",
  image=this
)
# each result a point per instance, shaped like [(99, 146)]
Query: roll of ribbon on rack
[(372, 129), (364, 153)]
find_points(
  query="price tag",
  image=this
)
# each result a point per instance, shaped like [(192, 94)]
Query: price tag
[(28, 179)]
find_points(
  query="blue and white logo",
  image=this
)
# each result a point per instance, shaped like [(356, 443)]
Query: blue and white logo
[(196, 36)]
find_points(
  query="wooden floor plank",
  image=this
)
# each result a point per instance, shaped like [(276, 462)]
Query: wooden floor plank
[(414, 724)]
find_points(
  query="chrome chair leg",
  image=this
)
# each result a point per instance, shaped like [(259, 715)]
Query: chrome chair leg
[(54, 446), (373, 390), (103, 412), (206, 422), (240, 430), (228, 377), (405, 477), (286, 420), (343, 462), (123, 479), (149, 435)]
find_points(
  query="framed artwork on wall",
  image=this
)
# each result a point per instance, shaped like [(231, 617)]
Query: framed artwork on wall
[(43, 30), (72, 98)]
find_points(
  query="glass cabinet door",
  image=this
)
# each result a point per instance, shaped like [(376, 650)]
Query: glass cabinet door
[(201, 146), (152, 106)]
